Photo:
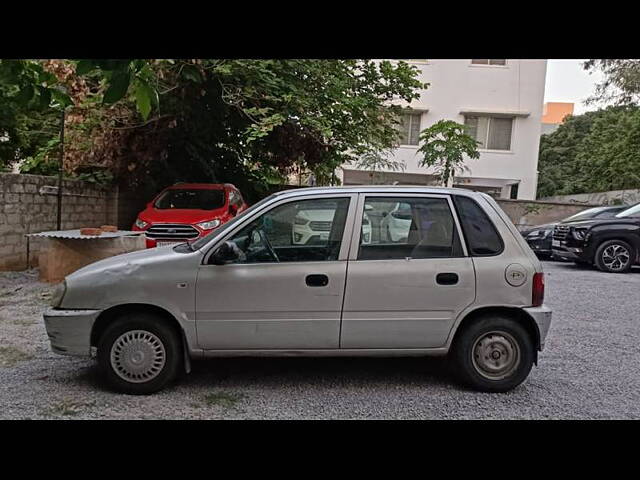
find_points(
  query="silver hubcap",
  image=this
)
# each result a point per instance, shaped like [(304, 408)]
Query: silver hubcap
[(495, 355), (138, 356), (615, 257)]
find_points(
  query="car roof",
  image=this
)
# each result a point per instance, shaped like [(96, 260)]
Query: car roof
[(380, 189)]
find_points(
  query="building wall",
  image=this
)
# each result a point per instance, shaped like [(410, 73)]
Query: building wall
[(28, 204), (554, 112), (517, 87)]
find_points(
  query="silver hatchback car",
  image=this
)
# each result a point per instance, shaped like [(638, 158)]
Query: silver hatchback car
[(458, 280)]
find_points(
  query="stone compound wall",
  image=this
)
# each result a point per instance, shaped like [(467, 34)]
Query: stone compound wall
[(612, 197), (28, 204), (524, 213)]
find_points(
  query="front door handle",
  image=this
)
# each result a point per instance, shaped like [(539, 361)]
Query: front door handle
[(317, 280), (447, 278)]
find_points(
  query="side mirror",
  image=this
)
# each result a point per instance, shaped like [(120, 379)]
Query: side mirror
[(226, 253), (233, 210)]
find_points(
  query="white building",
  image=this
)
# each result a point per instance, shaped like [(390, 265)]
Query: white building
[(501, 103)]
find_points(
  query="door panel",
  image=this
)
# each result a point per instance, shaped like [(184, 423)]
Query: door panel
[(406, 292), (269, 306), (398, 304), (280, 278)]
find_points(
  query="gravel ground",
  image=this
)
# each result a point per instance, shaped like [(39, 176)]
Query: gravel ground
[(589, 369)]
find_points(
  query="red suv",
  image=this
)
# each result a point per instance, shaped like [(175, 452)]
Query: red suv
[(187, 211)]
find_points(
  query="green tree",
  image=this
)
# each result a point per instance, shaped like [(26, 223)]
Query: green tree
[(621, 83), (246, 121), (596, 151), (377, 163), (444, 147)]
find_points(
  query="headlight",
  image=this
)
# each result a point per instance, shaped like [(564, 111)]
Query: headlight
[(209, 225), (300, 221), (579, 234), (539, 233), (58, 294), (141, 223)]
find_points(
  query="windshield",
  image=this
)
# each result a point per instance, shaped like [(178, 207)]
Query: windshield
[(196, 199), (585, 214), (633, 212), (201, 242)]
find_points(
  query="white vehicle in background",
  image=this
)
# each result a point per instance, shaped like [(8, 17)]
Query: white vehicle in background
[(396, 224), (314, 226)]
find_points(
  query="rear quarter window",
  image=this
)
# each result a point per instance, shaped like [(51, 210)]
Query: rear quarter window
[(480, 233)]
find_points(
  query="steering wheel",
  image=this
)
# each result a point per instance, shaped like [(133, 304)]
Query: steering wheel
[(267, 244)]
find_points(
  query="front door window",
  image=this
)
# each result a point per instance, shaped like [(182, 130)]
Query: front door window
[(302, 231)]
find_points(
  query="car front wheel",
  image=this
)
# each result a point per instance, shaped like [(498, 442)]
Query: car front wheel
[(139, 354), (493, 354), (615, 256)]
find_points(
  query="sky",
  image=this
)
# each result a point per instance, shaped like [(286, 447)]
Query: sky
[(567, 81)]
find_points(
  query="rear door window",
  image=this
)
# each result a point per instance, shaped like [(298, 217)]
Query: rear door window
[(482, 237), (408, 227)]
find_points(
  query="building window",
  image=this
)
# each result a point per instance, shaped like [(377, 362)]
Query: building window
[(489, 62), (410, 128), (493, 133), (513, 194)]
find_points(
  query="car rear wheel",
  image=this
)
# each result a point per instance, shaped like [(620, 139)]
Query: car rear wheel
[(493, 354), (615, 256), (139, 354)]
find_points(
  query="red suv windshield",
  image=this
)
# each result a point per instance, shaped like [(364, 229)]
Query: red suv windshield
[(196, 199)]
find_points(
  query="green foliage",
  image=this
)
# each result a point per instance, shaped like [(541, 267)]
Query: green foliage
[(122, 77), (240, 120), (29, 100), (377, 163), (593, 152), (444, 146), (621, 83), (250, 122), (45, 161)]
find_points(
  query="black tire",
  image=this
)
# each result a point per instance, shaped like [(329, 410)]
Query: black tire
[(505, 329), (600, 259), (160, 331)]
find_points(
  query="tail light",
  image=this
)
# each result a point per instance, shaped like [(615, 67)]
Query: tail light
[(537, 297)]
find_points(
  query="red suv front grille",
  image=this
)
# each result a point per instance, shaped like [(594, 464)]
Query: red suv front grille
[(171, 231)]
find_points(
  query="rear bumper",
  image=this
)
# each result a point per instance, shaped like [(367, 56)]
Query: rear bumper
[(542, 317), (70, 330)]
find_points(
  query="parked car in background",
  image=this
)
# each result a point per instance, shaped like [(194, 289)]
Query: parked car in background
[(539, 237), (463, 282), (313, 224), (186, 211), (612, 245), (396, 224)]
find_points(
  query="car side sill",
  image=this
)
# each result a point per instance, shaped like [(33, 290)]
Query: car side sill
[(378, 352)]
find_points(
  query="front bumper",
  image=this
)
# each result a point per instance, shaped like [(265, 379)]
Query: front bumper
[(540, 245), (542, 317), (70, 330)]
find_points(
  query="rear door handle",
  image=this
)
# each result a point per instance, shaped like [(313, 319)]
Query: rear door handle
[(317, 280), (447, 278)]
